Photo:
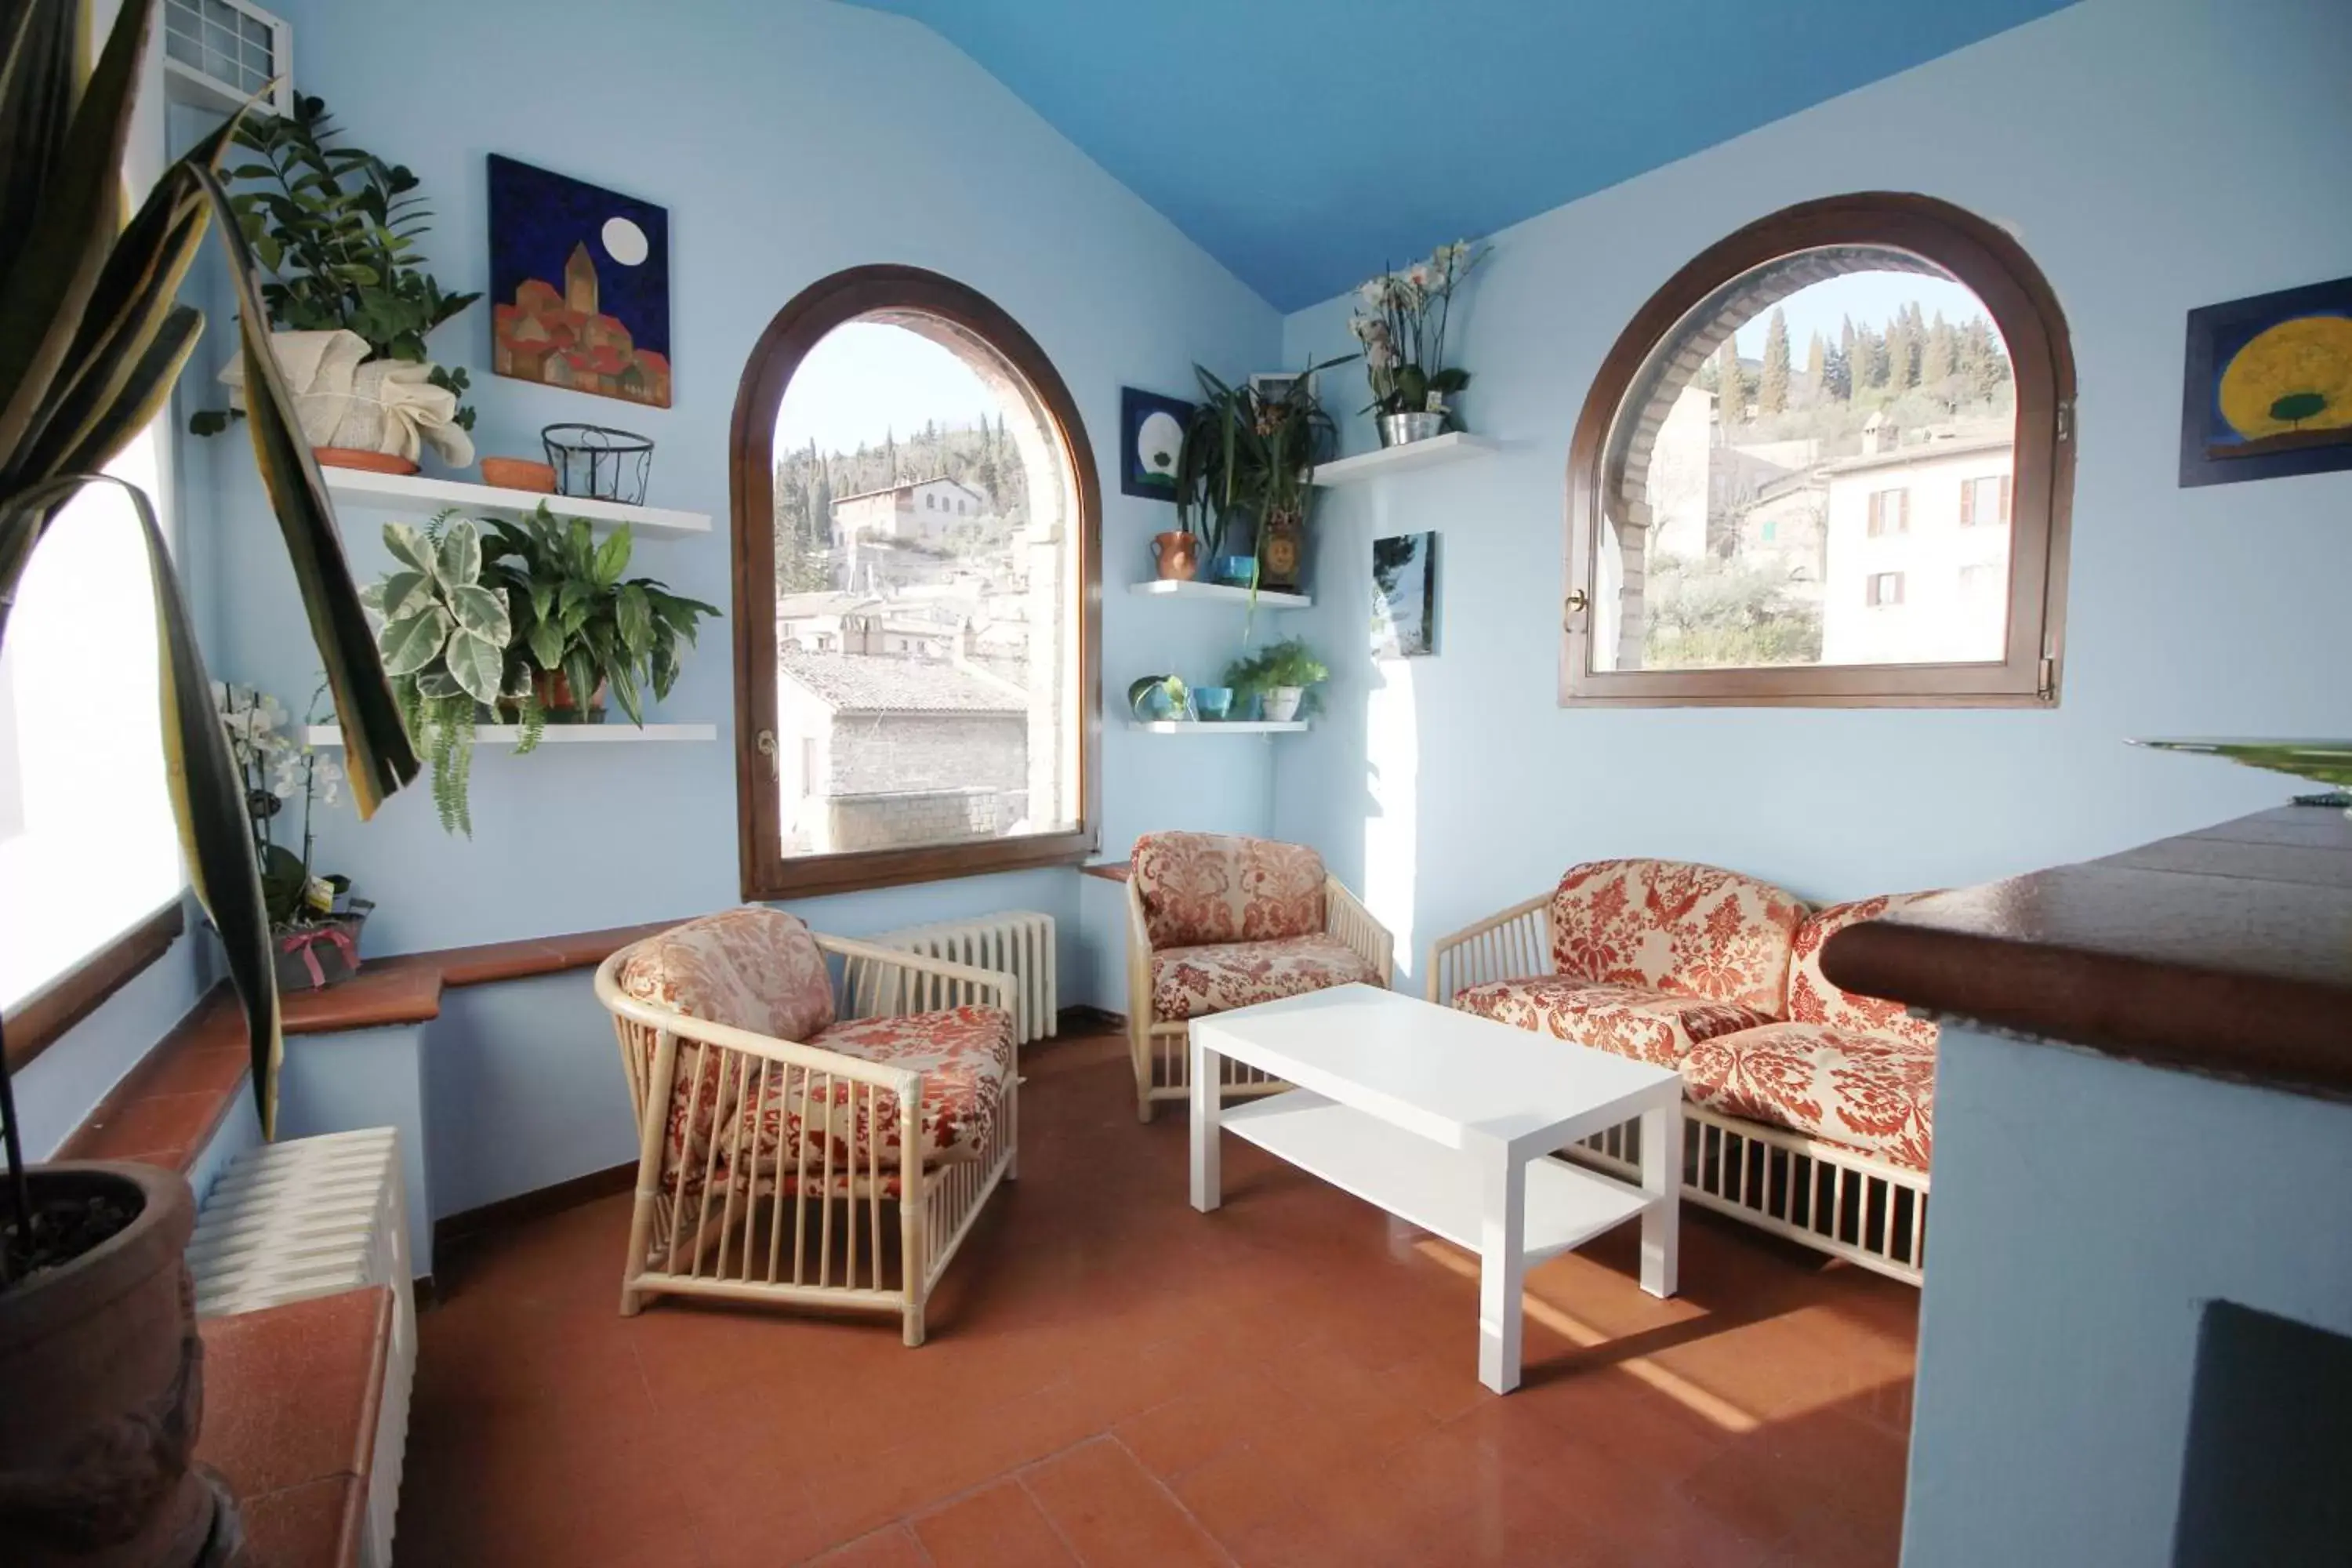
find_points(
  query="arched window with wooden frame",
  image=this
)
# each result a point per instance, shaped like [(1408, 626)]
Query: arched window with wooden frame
[(917, 592), (1829, 464)]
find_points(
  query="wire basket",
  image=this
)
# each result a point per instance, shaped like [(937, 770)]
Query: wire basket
[(598, 462)]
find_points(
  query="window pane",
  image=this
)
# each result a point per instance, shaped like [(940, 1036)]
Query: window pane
[(928, 611), (1803, 470)]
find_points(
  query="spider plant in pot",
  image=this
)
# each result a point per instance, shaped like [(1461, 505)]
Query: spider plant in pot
[(1245, 474), (102, 1367), (582, 631)]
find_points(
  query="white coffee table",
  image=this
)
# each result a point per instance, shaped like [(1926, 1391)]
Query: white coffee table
[(1448, 1122)]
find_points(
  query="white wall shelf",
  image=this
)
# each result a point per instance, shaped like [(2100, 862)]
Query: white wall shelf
[(1217, 726), (1268, 599), (423, 496), (1451, 447), (612, 730)]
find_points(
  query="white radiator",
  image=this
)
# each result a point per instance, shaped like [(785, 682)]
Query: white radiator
[(309, 1218), (1019, 943)]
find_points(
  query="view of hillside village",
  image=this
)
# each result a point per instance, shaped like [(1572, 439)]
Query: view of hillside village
[(922, 659), (1831, 486)]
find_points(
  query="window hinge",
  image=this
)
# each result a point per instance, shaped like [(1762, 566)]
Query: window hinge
[(2065, 419), (2046, 686)]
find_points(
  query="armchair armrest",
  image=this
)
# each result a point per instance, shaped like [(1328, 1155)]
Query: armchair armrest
[(1518, 941), (887, 983), (1345, 916)]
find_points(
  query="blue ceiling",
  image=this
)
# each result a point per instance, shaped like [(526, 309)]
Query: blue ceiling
[(1302, 141)]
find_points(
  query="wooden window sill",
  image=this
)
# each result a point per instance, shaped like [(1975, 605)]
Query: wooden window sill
[(42, 1019)]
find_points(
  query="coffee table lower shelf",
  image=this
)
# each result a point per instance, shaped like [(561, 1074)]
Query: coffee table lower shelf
[(1439, 1189)]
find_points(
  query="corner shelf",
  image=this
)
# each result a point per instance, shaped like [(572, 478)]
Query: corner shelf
[(615, 732), (1217, 726), (1171, 588), (1451, 447), (415, 492)]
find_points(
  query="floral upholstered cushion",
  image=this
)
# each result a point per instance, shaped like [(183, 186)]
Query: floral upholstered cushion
[(1868, 1092), (1202, 887), (1813, 999), (754, 968), (779, 1122), (1190, 981), (1668, 925), (1649, 1025)]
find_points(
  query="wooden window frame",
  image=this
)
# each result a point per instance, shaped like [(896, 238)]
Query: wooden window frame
[(857, 293), (1986, 260), (42, 1018)]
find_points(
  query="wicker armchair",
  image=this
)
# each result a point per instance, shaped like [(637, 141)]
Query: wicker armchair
[(770, 1070), (1217, 922)]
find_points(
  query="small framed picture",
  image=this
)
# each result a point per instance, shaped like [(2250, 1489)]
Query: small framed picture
[(1404, 595), (1272, 385), (1150, 440), (2268, 386)]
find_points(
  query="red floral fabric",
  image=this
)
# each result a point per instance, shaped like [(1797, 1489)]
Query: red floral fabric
[(1813, 999), (1666, 925), (965, 1056), (1202, 887), (1869, 1091), (1192, 982), (1649, 1025), (755, 968)]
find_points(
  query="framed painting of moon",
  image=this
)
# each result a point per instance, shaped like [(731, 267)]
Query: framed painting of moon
[(581, 280)]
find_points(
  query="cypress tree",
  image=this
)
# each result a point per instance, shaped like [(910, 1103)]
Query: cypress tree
[(1772, 385), (1817, 364), (1730, 384)]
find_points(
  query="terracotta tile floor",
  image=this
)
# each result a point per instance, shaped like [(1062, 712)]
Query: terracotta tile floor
[(1114, 1379)]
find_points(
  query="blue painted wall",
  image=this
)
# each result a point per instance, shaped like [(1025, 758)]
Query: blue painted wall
[(787, 142), (2153, 155)]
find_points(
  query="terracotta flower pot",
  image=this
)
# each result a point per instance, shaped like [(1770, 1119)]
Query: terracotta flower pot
[(104, 1375), (554, 691), (519, 474), (371, 462), (1178, 553)]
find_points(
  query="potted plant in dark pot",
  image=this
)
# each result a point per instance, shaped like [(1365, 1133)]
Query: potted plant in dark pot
[(1244, 475), (98, 1357)]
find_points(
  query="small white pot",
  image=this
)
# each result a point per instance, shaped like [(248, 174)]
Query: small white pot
[(1282, 703)]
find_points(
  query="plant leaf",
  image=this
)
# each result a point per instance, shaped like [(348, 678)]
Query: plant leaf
[(475, 664), (482, 613), (612, 558), (459, 563), (408, 543), (410, 645), (634, 617), (546, 645)]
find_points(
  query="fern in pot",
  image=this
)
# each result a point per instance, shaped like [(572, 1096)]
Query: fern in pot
[(445, 640), (1283, 675)]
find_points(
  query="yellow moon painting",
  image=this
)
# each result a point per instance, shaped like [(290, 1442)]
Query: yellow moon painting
[(2292, 378)]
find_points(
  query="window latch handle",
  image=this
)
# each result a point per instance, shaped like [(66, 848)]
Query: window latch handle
[(767, 744), (1574, 606)]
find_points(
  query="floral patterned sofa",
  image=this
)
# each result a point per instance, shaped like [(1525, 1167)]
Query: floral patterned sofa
[(1217, 922), (776, 1159), (1810, 1108)]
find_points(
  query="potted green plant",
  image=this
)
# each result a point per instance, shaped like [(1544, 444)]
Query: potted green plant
[(98, 1355), (581, 630), (1245, 474), (1283, 675), (446, 639), (349, 295), (1402, 325)]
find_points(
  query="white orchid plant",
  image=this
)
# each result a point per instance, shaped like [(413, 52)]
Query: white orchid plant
[(1401, 318), (276, 763)]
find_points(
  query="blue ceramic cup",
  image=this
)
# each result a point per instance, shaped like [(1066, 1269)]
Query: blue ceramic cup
[(1239, 571), (1212, 701)]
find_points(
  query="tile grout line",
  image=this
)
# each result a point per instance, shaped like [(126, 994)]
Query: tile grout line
[(1174, 1502), (1046, 1514)]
